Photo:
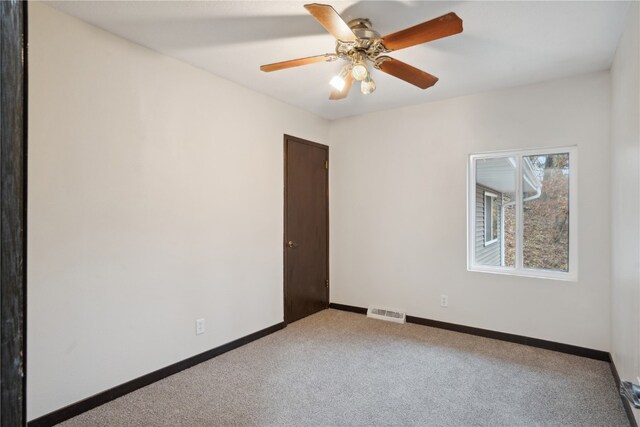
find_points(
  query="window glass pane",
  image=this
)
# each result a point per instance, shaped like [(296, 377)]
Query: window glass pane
[(545, 192), (495, 188)]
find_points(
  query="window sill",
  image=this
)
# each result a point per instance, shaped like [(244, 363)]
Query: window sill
[(525, 272)]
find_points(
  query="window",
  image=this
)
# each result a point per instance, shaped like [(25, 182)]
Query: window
[(522, 213), (491, 215)]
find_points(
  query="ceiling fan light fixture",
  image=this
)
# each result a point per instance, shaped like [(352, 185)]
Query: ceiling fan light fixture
[(359, 71), (338, 81), (367, 86)]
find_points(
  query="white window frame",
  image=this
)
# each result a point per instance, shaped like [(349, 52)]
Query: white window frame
[(489, 232), (519, 269)]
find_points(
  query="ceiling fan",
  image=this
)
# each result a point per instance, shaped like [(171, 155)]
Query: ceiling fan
[(358, 44)]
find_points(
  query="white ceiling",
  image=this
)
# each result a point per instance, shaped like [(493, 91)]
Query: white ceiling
[(503, 44)]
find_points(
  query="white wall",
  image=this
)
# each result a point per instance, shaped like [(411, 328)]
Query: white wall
[(155, 198), (398, 209), (625, 201)]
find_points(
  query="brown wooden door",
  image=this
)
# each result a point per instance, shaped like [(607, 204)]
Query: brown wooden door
[(306, 228)]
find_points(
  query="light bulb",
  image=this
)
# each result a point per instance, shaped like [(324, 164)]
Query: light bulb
[(359, 71), (337, 82), (367, 86)]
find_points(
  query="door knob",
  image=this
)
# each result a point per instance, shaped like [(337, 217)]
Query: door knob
[(292, 244)]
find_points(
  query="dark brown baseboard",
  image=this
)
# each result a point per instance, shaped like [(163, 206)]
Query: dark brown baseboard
[(502, 336), (351, 308), (96, 400), (625, 402)]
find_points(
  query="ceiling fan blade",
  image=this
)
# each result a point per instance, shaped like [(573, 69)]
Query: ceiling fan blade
[(331, 21), (446, 25), (327, 57), (407, 73), (341, 94)]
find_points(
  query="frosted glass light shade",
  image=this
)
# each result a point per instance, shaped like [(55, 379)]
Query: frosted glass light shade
[(367, 86), (337, 82), (359, 71)]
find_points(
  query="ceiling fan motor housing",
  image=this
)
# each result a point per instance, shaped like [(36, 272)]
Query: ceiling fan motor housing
[(362, 28), (368, 43)]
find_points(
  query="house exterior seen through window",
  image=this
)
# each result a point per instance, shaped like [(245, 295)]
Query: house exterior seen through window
[(491, 218), (522, 213)]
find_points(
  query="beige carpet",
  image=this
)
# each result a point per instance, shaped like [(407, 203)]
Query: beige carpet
[(336, 368)]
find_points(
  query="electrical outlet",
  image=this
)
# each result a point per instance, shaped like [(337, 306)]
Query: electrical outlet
[(444, 301), (199, 326)]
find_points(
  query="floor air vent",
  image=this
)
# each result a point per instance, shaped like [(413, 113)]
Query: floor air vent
[(388, 315)]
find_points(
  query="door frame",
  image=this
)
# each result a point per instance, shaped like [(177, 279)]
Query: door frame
[(13, 207), (286, 139)]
